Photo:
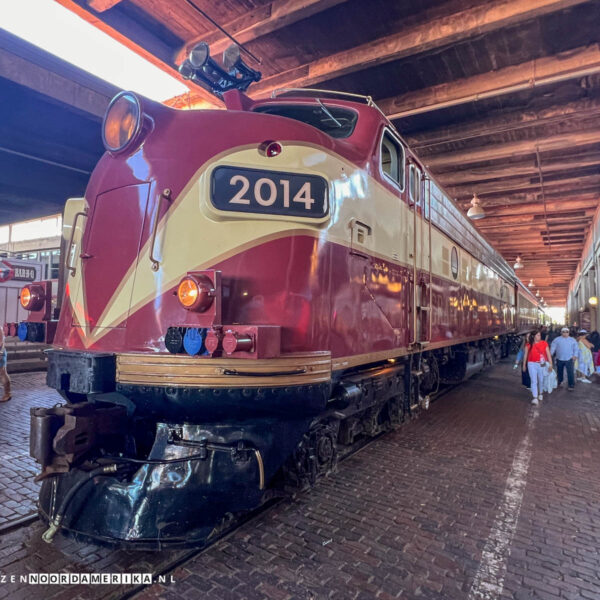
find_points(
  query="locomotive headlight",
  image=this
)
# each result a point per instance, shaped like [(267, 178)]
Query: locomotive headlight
[(32, 297), (196, 292), (122, 122)]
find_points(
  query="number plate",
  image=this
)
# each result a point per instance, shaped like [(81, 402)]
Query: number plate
[(269, 192)]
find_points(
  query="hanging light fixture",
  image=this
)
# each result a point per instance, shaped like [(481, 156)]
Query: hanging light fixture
[(537, 294), (530, 284), (475, 212), (518, 263)]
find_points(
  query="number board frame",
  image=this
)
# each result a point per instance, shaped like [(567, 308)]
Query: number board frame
[(222, 192)]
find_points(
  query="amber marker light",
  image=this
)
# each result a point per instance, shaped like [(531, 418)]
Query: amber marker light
[(32, 297), (122, 122), (195, 292), (25, 297), (188, 292)]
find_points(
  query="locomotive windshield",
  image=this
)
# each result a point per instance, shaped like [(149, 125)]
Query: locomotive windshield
[(334, 121)]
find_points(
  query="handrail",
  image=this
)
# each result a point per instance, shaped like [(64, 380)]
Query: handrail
[(71, 268), (166, 193), (278, 91), (430, 258)]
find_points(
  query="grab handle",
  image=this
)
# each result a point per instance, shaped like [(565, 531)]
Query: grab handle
[(167, 196), (70, 267)]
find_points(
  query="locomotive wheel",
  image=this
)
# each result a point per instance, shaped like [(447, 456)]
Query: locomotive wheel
[(395, 412), (315, 456), (430, 380)]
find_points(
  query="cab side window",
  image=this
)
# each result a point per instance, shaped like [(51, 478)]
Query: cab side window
[(392, 159)]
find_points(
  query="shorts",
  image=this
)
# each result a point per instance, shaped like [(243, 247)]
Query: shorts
[(3, 358)]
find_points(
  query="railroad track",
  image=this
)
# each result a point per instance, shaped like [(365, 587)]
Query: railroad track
[(19, 523)]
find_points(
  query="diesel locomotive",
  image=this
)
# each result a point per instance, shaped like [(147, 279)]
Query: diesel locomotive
[(247, 292)]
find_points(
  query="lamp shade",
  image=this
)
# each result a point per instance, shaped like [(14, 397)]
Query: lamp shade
[(518, 263), (475, 212)]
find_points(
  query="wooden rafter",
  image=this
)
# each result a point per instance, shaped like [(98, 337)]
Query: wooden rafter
[(505, 122), (538, 207), (202, 97), (527, 75), (424, 37), (509, 186), (54, 85), (521, 148), (258, 22), (474, 175)]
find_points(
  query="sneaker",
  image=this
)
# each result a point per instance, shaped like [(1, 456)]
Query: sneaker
[(540, 397), (585, 380), (571, 389), (534, 401)]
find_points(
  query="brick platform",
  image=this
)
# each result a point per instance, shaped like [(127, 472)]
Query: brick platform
[(18, 492), (410, 516)]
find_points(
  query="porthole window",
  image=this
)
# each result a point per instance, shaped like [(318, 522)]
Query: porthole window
[(454, 262), (414, 184)]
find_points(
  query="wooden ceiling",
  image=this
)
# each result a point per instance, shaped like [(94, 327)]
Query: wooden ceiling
[(500, 97)]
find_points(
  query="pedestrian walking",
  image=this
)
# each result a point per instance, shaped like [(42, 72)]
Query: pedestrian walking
[(4, 378), (566, 351), (585, 362), (553, 333), (538, 359), (519, 361)]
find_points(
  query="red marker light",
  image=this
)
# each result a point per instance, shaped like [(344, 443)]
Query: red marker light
[(270, 149), (273, 149)]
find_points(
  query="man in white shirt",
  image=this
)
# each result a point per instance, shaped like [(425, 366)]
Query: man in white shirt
[(566, 350)]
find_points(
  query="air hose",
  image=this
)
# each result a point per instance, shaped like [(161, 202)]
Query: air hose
[(56, 521)]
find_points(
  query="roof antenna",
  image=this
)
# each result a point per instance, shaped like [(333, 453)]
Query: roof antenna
[(208, 18)]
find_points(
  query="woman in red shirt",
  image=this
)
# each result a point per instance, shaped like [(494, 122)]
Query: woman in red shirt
[(537, 358)]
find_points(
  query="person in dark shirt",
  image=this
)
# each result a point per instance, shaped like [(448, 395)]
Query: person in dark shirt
[(594, 339)]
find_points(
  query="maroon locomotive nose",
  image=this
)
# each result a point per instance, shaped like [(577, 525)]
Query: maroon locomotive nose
[(237, 342)]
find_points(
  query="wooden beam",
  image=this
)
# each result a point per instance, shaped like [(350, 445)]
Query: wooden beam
[(496, 171), (531, 225), (51, 84), (102, 5), (538, 207), (425, 37), (258, 22), (543, 71), (160, 56), (509, 186), (510, 149), (504, 122), (553, 195)]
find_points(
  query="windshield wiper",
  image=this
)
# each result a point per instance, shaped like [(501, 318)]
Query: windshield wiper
[(328, 113)]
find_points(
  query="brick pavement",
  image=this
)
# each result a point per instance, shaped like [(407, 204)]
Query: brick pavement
[(18, 492), (406, 517), (409, 516)]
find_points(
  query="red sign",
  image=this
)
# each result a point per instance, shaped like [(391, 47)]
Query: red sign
[(9, 271)]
